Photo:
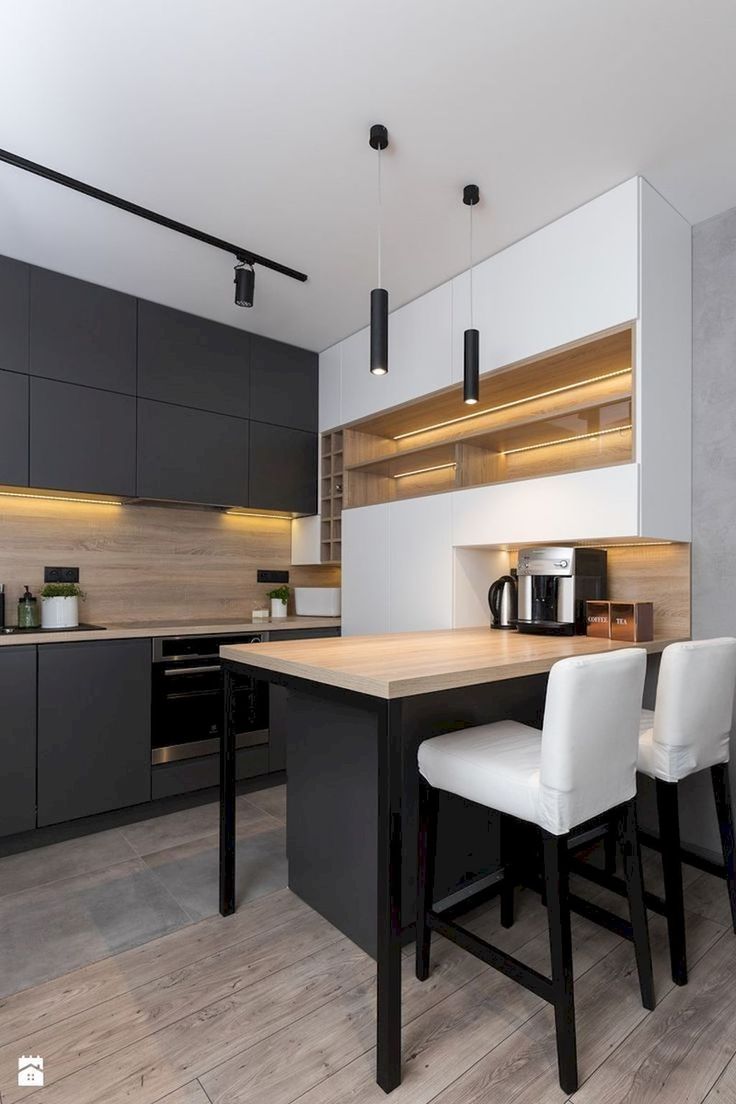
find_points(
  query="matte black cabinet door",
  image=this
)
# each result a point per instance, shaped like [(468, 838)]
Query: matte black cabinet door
[(191, 455), (82, 439), (13, 429), (284, 384), (192, 361), (283, 468), (14, 277), (94, 727), (82, 333), (17, 739)]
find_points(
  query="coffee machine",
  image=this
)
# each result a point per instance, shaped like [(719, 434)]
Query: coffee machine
[(554, 583)]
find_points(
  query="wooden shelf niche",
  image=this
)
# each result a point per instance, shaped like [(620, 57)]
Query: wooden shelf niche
[(331, 497), (568, 411)]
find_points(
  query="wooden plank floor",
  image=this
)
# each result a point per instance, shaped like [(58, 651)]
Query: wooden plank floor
[(272, 1005)]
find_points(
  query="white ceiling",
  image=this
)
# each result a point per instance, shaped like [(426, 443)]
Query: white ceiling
[(249, 119)]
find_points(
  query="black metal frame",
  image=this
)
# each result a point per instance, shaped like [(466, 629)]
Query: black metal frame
[(238, 251), (389, 867), (558, 989), (673, 855)]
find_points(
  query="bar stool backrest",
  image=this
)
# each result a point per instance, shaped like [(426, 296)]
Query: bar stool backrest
[(694, 708), (590, 735)]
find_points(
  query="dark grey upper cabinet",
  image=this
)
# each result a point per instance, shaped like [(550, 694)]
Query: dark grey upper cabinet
[(283, 466), (284, 384), (13, 429), (191, 361), (82, 333), (94, 727), (191, 455), (14, 277), (18, 739), (82, 439)]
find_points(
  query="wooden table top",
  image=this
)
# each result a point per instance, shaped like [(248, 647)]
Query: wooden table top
[(397, 665)]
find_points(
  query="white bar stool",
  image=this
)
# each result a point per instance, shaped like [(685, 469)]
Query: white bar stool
[(687, 732), (580, 767)]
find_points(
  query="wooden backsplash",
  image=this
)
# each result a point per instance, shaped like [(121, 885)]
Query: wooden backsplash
[(147, 562)]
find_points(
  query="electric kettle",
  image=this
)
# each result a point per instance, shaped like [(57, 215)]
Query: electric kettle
[(502, 597)]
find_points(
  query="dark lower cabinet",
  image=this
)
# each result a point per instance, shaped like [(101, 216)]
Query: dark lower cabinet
[(283, 467), (94, 728), (13, 429), (82, 439), (17, 739), (191, 455)]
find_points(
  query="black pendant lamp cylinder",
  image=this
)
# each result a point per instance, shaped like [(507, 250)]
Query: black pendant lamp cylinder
[(378, 141), (471, 351), (245, 284)]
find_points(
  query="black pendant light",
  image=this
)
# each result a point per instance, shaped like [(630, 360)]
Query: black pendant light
[(471, 352), (379, 296)]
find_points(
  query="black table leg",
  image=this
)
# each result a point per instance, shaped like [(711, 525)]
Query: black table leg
[(388, 1011), (227, 798)]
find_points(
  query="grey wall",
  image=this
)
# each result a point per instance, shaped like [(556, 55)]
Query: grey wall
[(714, 467)]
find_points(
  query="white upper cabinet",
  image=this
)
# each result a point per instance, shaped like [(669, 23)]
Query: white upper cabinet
[(419, 349), (330, 387), (420, 564), (575, 277), (365, 570)]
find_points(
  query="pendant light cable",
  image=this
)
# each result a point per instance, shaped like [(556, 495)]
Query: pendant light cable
[(380, 226), (470, 251)]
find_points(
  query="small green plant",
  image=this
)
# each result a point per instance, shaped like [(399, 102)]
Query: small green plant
[(62, 590), (280, 594)]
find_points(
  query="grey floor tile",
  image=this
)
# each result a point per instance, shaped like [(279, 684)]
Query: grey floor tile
[(190, 871), (272, 800), (173, 829), (63, 860), (49, 931)]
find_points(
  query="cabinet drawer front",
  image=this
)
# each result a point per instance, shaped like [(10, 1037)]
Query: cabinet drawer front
[(18, 739)]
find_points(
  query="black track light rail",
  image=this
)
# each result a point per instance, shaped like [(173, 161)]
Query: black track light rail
[(238, 251)]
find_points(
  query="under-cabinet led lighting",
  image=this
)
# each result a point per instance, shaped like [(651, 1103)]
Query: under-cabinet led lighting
[(421, 471), (567, 440), (62, 498), (253, 514), (514, 402)]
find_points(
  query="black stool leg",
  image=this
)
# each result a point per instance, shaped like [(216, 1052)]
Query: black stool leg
[(509, 875), (610, 852), (428, 809), (637, 908), (669, 835), (556, 876), (722, 794)]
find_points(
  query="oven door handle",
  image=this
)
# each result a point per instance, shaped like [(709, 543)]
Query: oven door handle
[(169, 672)]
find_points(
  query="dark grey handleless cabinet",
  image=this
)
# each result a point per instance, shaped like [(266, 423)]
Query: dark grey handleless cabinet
[(283, 466), (94, 727), (82, 333), (13, 429), (193, 362), (17, 739), (82, 439), (191, 455), (14, 295), (284, 384)]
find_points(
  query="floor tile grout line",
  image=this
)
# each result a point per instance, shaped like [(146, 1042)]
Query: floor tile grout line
[(158, 977), (169, 892)]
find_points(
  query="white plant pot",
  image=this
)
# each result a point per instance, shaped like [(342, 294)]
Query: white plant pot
[(278, 608), (59, 613)]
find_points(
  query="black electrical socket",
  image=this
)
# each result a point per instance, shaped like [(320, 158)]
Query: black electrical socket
[(273, 576), (61, 574)]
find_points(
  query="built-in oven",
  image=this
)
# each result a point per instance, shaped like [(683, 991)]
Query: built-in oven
[(187, 698)]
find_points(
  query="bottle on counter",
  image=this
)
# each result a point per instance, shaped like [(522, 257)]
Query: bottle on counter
[(28, 615)]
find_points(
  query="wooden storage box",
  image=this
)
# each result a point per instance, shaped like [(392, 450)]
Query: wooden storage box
[(632, 621), (598, 619)]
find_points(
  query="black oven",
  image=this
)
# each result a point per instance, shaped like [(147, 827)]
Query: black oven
[(187, 698)]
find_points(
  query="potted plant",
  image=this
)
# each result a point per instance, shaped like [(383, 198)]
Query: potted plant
[(60, 605), (279, 598)]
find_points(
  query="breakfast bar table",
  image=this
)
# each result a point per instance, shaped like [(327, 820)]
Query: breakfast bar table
[(356, 710)]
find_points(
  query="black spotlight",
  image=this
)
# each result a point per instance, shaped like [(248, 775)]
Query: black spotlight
[(245, 284)]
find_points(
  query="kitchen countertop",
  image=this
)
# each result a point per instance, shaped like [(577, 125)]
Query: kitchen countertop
[(397, 665), (137, 629)]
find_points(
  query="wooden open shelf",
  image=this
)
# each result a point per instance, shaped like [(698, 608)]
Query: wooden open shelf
[(568, 411), (331, 497)]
